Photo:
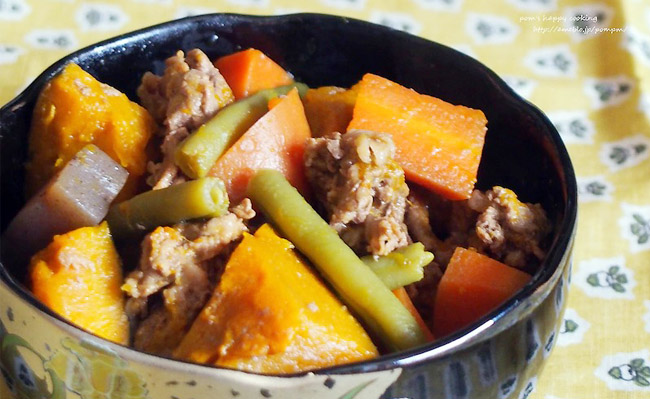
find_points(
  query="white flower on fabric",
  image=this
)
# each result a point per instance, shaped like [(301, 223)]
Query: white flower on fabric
[(635, 226), (625, 153), (529, 388), (9, 53), (183, 12), (638, 44), (100, 17), (441, 5), (646, 316), (534, 5), (573, 328), (552, 61), (14, 10), (594, 188), (522, 86), (403, 22), (607, 278), (490, 29), (345, 4), (456, 380), (52, 39), (250, 3), (608, 92), (507, 386), (644, 104), (588, 20), (626, 371), (575, 127)]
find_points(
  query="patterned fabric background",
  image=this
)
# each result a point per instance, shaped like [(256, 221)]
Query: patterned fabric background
[(585, 63)]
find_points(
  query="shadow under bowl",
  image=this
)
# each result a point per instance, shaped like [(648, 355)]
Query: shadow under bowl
[(498, 356)]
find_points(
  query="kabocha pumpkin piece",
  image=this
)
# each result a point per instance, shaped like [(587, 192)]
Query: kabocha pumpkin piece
[(276, 141), (439, 145), (249, 71), (329, 109), (271, 314), (472, 285), (74, 109), (78, 276)]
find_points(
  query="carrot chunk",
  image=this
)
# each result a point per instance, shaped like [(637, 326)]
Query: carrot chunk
[(439, 145), (472, 286), (249, 71), (276, 141)]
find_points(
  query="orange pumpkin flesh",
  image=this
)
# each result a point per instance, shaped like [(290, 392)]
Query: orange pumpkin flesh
[(271, 314)]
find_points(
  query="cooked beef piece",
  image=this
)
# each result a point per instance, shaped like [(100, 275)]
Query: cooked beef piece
[(179, 265), (244, 209), (418, 220), (507, 229), (189, 92), (361, 188), (494, 222), (168, 265), (208, 239), (187, 95)]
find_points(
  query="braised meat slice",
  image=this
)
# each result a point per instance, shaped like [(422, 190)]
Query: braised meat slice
[(419, 222), (493, 222), (507, 229), (187, 95), (361, 188), (177, 264)]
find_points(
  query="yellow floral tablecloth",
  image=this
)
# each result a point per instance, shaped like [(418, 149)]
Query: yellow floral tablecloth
[(585, 63)]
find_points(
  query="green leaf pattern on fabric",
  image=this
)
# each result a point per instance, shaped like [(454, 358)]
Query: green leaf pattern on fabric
[(610, 278), (635, 372)]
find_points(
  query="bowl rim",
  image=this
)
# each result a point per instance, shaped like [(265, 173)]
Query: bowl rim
[(491, 324)]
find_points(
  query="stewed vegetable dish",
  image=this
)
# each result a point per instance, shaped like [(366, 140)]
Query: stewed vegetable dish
[(235, 217)]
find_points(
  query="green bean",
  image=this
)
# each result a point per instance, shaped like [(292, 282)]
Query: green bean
[(199, 151), (355, 283), (205, 197), (401, 267)]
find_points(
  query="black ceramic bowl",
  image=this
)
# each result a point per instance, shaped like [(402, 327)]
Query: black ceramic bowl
[(498, 356)]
